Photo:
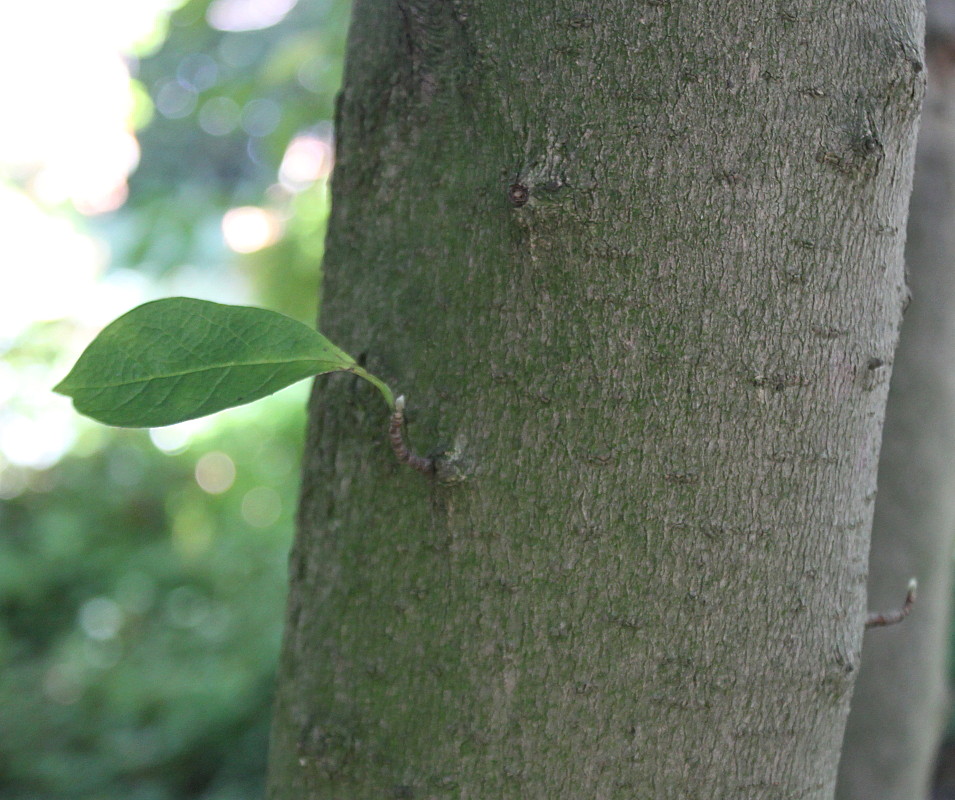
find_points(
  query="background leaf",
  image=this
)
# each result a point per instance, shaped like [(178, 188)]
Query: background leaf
[(179, 358)]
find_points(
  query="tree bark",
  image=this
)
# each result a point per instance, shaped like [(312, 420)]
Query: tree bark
[(899, 706), (639, 269)]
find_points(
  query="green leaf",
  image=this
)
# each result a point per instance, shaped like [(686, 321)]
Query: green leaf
[(179, 358)]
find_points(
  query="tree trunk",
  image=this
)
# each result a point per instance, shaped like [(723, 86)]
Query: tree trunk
[(639, 269), (899, 706)]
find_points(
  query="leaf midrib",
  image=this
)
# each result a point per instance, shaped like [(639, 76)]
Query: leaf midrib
[(208, 368)]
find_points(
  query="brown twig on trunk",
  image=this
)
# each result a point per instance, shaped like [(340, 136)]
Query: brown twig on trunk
[(897, 615), (402, 452)]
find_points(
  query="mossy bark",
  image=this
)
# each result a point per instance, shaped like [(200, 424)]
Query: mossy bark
[(638, 267), (900, 707)]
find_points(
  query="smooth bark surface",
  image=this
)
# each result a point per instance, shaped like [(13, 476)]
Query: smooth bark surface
[(899, 707), (638, 267)]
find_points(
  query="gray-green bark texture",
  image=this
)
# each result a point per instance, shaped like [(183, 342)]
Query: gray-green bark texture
[(659, 384), (900, 702)]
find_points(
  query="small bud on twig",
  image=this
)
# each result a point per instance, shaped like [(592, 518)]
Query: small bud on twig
[(892, 617)]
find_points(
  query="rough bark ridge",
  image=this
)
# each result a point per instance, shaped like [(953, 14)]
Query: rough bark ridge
[(639, 266), (899, 706)]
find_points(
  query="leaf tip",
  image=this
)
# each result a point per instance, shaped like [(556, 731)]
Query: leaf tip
[(63, 387)]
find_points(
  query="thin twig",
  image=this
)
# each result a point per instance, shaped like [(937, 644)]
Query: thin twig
[(892, 617), (402, 452)]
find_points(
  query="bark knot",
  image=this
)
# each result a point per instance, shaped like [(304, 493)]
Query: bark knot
[(518, 194)]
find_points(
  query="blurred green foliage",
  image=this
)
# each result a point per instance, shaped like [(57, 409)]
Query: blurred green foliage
[(141, 592), (142, 617), (237, 99)]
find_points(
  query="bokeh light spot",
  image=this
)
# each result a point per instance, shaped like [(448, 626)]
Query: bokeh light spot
[(198, 71), (215, 472), (249, 228), (247, 15), (313, 74), (261, 507), (307, 159), (174, 100), (100, 618), (219, 116), (173, 439)]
